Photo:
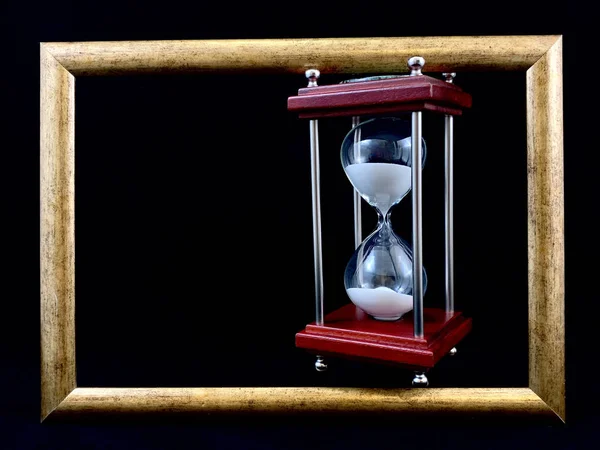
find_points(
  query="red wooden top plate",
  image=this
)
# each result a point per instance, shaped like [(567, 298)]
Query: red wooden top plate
[(410, 93)]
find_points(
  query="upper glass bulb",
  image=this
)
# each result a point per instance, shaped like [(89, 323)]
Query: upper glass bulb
[(377, 157)]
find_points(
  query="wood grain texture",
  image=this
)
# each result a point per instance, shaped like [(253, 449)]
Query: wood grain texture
[(349, 332), (334, 55), (519, 402), (57, 231), (379, 110), (546, 229), (369, 97)]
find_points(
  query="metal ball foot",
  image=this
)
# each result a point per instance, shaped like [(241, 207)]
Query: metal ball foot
[(320, 364), (453, 351), (420, 380)]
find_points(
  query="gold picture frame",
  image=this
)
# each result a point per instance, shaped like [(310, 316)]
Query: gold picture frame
[(539, 56)]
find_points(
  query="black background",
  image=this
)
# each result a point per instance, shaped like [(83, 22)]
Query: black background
[(200, 193), (147, 217)]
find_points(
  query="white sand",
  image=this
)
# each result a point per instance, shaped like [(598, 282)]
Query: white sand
[(381, 184), (382, 303)]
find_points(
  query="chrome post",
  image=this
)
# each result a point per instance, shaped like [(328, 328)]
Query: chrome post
[(420, 380), (416, 63), (315, 176), (417, 224), (357, 198), (449, 205), (316, 215), (320, 364)]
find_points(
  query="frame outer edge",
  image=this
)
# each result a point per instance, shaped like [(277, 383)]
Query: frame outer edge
[(60, 61), (57, 232), (546, 229)]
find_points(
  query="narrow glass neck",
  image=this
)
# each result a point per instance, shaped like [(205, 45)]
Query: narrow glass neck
[(385, 233), (383, 220)]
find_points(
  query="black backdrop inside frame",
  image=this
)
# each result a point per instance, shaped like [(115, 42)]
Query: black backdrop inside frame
[(194, 233)]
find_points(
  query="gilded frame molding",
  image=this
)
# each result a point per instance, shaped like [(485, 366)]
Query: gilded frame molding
[(539, 56)]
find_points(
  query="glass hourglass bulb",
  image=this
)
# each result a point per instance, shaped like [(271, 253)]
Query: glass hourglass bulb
[(377, 158)]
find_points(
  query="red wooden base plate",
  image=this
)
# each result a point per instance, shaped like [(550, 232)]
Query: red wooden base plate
[(352, 333)]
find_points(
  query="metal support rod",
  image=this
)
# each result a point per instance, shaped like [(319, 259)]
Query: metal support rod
[(357, 198), (449, 203), (312, 75), (449, 214), (316, 210), (417, 157)]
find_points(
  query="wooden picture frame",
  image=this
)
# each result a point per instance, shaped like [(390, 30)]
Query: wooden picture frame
[(539, 56)]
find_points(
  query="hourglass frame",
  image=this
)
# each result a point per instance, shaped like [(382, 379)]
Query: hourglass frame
[(420, 340)]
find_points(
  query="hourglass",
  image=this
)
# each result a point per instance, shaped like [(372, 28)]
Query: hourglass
[(377, 158), (385, 281)]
